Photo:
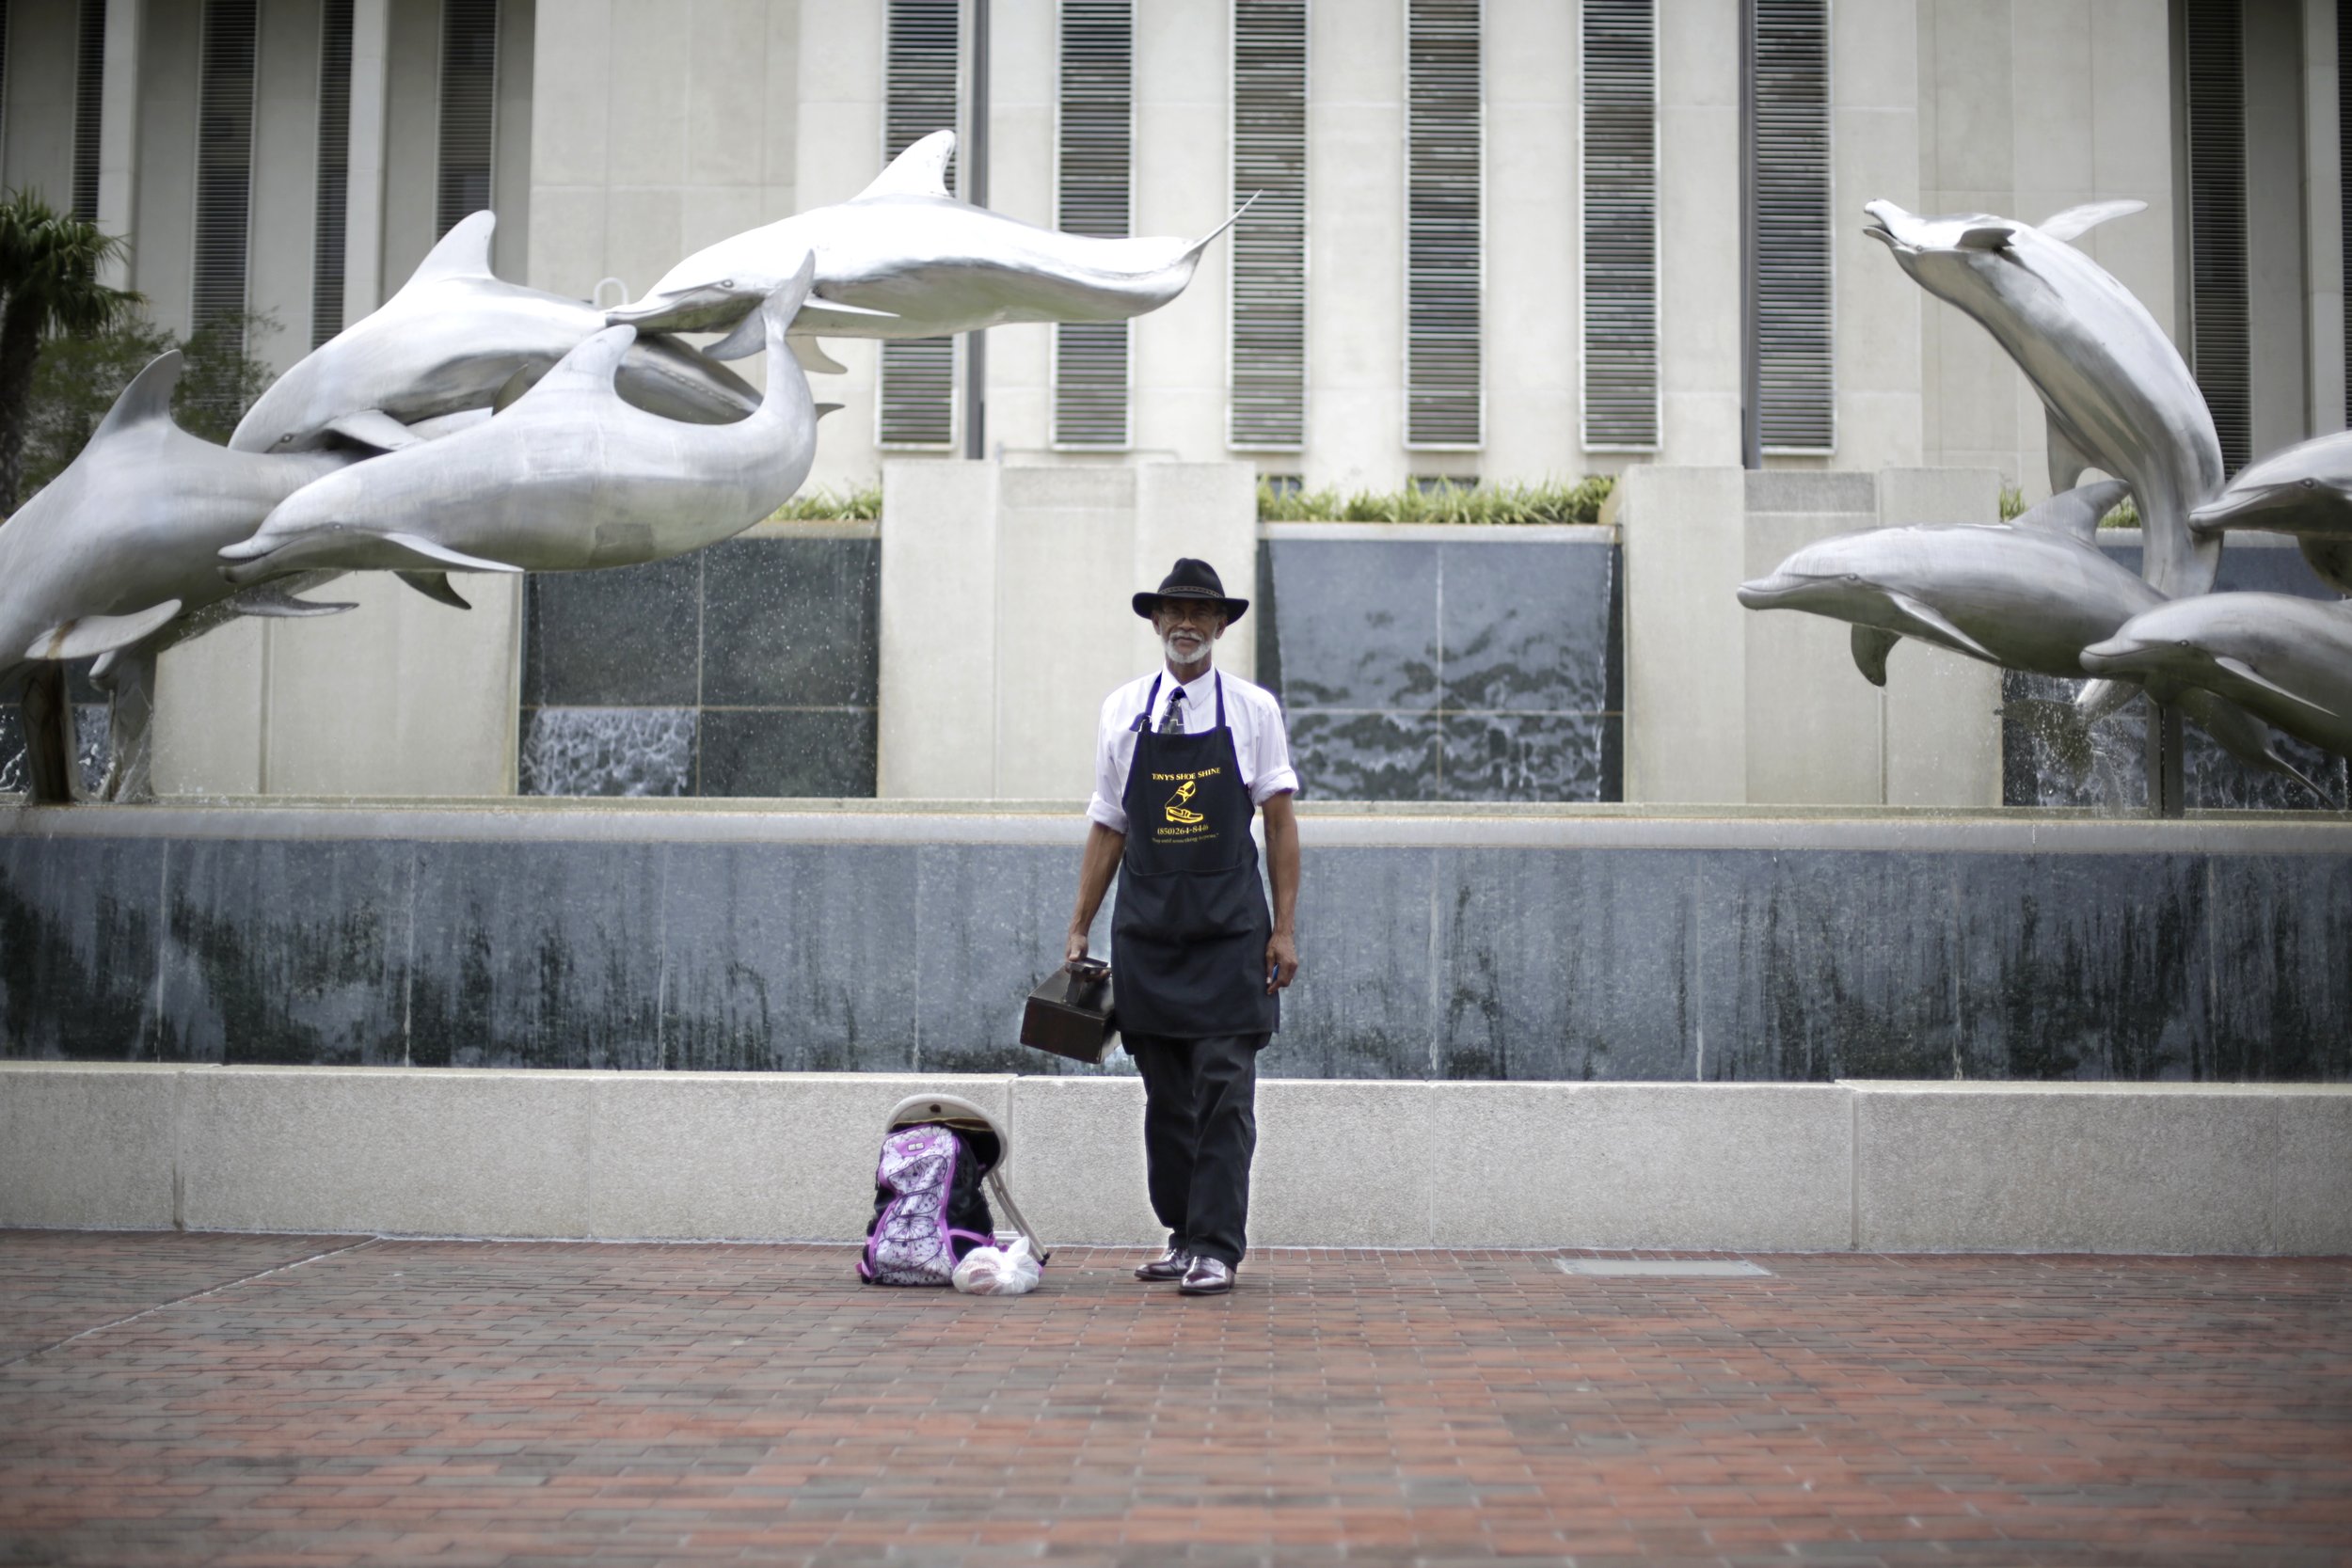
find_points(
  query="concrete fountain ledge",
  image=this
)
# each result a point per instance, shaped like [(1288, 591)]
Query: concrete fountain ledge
[(1061, 823), (1867, 1166)]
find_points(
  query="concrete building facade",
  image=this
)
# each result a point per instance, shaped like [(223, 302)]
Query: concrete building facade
[(1495, 207)]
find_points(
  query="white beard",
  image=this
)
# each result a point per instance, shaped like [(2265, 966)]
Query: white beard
[(1196, 649)]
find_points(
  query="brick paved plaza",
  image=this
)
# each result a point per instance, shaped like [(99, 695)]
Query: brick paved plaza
[(284, 1400)]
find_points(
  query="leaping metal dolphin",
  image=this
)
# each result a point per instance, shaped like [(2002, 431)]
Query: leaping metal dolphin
[(903, 258), (450, 340), (2029, 594), (2287, 660), (2306, 491), (568, 478), (2119, 395), (116, 555)]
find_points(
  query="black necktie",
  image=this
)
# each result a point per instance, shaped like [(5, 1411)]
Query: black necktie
[(1174, 722)]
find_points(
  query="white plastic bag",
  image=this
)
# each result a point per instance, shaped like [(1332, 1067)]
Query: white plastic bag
[(988, 1271)]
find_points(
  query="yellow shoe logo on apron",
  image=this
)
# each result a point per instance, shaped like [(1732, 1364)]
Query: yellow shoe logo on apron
[(1176, 812)]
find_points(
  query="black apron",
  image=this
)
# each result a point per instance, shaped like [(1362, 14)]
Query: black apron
[(1189, 934)]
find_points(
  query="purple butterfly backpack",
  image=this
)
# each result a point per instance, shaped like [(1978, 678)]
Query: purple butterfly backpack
[(941, 1157)]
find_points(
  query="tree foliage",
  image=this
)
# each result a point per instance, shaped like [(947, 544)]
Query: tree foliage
[(78, 379), (49, 285)]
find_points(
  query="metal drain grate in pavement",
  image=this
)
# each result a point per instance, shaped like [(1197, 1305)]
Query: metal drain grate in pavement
[(1665, 1268)]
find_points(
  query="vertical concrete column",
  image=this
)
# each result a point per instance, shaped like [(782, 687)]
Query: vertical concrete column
[(283, 222), (412, 135), (2323, 218), (401, 696), (1065, 565), (2277, 283), (1356, 260), (1874, 143), (363, 199), (119, 134), (1532, 344), (210, 696), (1942, 723), (1813, 723), (1685, 647), (1970, 393), (1183, 97), (1698, 198), (938, 620), (837, 144), (1024, 96), (2126, 116), (1208, 511)]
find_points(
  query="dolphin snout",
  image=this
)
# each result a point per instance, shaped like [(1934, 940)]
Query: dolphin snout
[(1765, 593), (2225, 510), (2117, 656), (703, 308)]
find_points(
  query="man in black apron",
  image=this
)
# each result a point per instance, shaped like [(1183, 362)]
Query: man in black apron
[(1188, 755)]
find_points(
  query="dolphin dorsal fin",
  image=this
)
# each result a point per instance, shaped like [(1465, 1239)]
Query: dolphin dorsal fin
[(148, 397), (463, 252), (2075, 513), (920, 170), (595, 362), (2079, 220)]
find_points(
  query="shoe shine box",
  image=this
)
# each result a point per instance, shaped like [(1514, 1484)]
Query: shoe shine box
[(1070, 1014)]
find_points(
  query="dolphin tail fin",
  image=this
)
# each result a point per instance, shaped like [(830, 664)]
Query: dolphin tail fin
[(148, 397), (2075, 513), (1202, 244), (749, 336), (463, 252), (2067, 459), (776, 318), (1871, 648), (813, 357), (434, 586), (920, 170), (85, 635), (2098, 698), (2080, 220)]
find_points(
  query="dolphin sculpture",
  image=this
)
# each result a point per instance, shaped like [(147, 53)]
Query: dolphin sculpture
[(2306, 491), (2119, 395), (568, 478), (903, 258), (450, 341), (2028, 595), (116, 555), (2286, 661)]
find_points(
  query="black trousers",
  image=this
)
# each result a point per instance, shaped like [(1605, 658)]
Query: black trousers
[(1200, 1129)]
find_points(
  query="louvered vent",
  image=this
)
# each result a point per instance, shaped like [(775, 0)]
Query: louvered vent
[(89, 97), (1621, 225), (470, 89), (2218, 330), (1796, 381), (1094, 195), (334, 181), (224, 165), (1443, 195), (1268, 394), (915, 402)]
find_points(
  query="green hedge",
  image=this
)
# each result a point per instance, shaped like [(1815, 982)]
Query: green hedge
[(1551, 502)]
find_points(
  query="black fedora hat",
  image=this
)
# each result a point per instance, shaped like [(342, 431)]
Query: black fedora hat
[(1192, 579)]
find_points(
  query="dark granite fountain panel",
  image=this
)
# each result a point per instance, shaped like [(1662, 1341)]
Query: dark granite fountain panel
[(748, 669), (1743, 958), (1477, 669)]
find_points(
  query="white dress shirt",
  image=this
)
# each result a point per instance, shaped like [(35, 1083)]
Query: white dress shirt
[(1262, 749)]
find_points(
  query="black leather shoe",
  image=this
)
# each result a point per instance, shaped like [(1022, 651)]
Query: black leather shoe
[(1170, 1265), (1208, 1276)]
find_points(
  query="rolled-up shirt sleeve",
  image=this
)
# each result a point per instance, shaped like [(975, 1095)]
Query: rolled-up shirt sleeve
[(1110, 785), (1270, 771)]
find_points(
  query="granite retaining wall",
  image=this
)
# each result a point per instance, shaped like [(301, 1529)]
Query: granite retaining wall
[(1528, 944)]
